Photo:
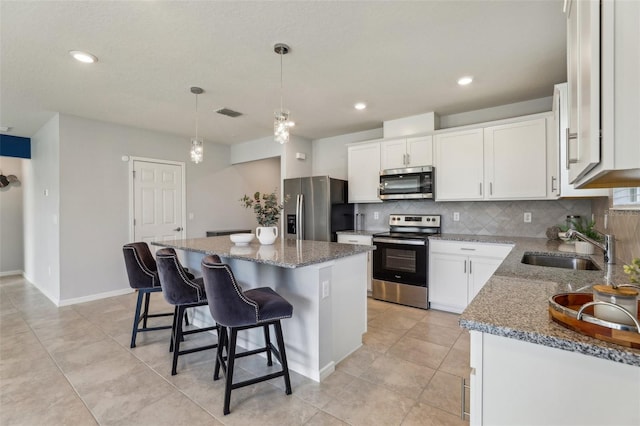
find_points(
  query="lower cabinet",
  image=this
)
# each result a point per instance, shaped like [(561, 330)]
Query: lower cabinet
[(458, 270), (366, 240), (514, 382)]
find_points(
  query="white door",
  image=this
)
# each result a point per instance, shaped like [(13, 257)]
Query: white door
[(158, 201)]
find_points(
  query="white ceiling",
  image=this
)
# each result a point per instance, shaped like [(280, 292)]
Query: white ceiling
[(401, 58)]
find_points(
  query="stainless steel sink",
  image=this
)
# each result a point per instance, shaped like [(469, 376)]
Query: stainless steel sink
[(559, 261)]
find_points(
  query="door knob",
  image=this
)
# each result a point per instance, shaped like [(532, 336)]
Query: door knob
[(178, 229)]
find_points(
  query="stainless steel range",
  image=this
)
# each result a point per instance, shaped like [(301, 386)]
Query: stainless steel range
[(400, 261)]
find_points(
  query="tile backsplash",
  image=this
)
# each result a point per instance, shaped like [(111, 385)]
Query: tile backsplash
[(482, 217), (624, 224)]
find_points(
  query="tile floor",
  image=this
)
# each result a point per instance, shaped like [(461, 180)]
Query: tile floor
[(72, 365)]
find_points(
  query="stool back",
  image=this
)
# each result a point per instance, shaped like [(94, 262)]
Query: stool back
[(178, 286), (141, 267), (227, 303)]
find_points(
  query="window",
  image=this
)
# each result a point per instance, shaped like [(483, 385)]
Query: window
[(626, 198)]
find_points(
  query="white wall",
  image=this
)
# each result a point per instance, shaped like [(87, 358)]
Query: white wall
[(262, 148), (80, 162), (11, 232), (41, 231), (517, 109)]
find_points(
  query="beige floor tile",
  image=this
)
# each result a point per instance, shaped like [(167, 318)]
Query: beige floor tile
[(12, 324), (394, 320), (324, 419), (80, 337), (419, 352), (364, 403), (403, 377), (426, 415), (444, 392), (457, 363), (174, 409), (379, 339), (356, 363), (464, 342), (445, 319), (318, 394), (441, 335), (69, 360)]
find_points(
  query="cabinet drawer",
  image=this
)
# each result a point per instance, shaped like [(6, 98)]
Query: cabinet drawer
[(355, 239), (495, 250)]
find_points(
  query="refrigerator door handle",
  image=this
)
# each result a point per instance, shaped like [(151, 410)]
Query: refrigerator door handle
[(301, 216)]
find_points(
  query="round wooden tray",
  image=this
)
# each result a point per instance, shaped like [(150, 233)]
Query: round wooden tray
[(564, 307)]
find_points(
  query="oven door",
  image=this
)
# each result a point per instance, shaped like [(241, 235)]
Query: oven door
[(400, 261)]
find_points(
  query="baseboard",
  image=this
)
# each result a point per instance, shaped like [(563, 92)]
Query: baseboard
[(9, 273), (92, 297)]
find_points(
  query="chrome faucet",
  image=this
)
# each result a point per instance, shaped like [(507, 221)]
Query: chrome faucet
[(609, 245)]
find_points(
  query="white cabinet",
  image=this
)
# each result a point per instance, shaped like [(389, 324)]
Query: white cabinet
[(548, 386), (366, 240), (406, 152), (603, 65), (496, 162), (515, 160), (459, 165), (458, 270), (559, 165), (364, 172)]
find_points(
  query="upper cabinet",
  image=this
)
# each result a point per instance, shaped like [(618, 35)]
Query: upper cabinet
[(603, 65), (406, 152), (500, 162), (364, 172)]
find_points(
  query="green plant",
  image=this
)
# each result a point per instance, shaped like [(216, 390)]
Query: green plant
[(585, 227), (265, 206), (633, 270)]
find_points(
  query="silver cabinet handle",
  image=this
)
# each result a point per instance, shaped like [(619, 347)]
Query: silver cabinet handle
[(464, 386), (490, 188), (408, 159), (465, 266), (480, 188), (569, 160), (470, 266), (553, 182), (178, 229)]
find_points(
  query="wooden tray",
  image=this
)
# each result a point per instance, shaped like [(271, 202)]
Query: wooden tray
[(563, 309)]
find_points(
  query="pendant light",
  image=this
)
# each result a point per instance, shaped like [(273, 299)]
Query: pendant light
[(197, 144), (281, 122)]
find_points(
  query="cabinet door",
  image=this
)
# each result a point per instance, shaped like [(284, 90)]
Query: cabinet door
[(459, 166), (516, 160), (360, 239), (480, 270), (393, 154), (448, 282), (587, 86), (420, 151), (364, 172)]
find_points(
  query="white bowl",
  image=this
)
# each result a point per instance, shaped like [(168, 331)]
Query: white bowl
[(241, 239)]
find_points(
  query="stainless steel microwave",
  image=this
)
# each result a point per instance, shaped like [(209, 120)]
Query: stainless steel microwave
[(406, 184)]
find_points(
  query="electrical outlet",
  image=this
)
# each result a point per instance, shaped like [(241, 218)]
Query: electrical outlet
[(376, 215), (325, 289), (456, 216), (527, 217)]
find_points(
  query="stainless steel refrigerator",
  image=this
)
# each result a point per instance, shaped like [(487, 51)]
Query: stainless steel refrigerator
[(317, 208)]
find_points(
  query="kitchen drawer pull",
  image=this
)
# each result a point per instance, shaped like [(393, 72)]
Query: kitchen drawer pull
[(467, 249), (464, 386), (465, 266), (553, 183), (470, 266), (569, 159)]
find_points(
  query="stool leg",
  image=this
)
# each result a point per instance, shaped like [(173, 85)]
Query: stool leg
[(136, 320), (230, 362), (173, 328), (283, 357), (267, 344), (186, 318), (178, 337), (222, 344), (146, 309)]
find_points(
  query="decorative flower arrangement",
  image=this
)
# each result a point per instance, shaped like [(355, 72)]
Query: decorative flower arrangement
[(265, 206), (633, 270)]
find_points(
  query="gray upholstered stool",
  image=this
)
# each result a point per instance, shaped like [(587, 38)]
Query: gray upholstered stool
[(236, 310), (183, 291)]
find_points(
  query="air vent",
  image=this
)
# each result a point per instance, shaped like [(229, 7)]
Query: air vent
[(229, 112)]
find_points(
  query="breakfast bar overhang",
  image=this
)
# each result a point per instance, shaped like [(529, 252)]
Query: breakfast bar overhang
[(325, 282)]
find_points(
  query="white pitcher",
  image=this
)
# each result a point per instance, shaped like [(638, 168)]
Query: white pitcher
[(267, 234)]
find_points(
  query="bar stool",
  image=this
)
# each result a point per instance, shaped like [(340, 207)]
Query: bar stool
[(143, 277), (182, 291), (235, 310)]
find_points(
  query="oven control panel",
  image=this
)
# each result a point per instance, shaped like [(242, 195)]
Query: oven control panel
[(420, 220)]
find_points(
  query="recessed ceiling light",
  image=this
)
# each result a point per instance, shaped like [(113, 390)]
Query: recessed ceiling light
[(463, 81), (81, 56), (360, 106)]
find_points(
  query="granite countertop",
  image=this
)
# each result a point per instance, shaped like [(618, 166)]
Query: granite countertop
[(514, 302), (284, 253)]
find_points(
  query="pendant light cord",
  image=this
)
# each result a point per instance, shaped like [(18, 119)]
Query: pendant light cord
[(281, 86), (196, 116)]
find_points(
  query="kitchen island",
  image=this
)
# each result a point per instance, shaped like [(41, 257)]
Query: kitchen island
[(325, 282), (526, 369)]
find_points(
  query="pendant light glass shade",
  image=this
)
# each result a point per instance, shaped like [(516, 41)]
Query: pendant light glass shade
[(281, 127), (281, 121), (197, 144), (197, 150)]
